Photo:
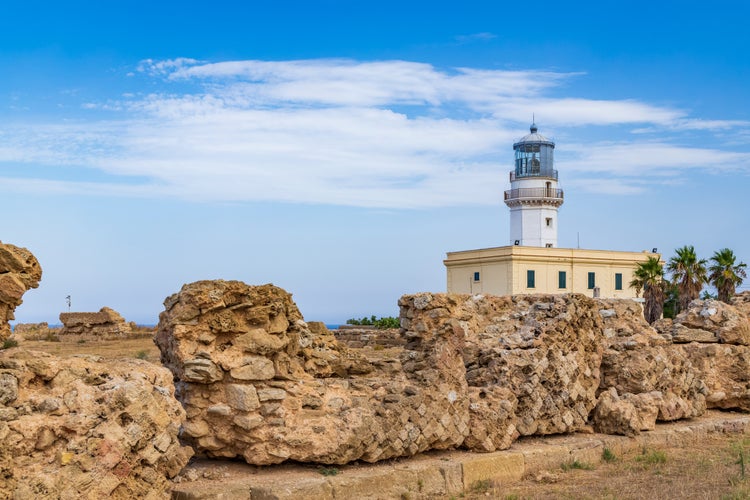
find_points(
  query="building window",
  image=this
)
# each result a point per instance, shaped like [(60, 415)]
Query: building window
[(562, 280), (618, 281), (548, 245), (592, 281), (530, 278), (476, 275), (549, 221)]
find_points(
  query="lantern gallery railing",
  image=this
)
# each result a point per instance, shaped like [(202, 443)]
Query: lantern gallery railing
[(550, 193)]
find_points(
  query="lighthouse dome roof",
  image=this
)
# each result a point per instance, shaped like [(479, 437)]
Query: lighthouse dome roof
[(534, 137)]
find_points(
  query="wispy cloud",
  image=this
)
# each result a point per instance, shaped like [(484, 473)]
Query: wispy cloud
[(392, 134), (475, 37)]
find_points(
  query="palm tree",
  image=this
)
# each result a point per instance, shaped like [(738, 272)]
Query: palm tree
[(649, 277), (688, 274), (725, 275)]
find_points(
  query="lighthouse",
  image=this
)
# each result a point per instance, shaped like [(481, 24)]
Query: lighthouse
[(534, 197)]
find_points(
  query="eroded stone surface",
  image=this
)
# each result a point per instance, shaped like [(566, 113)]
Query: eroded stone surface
[(19, 272), (105, 324), (82, 428), (475, 372), (257, 383), (711, 321)]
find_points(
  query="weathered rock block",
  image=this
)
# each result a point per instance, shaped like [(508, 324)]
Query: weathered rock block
[(725, 371), (711, 321), (644, 374), (105, 324), (82, 428), (257, 383), (19, 272)]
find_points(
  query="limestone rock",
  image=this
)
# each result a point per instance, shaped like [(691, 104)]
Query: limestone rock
[(82, 428), (258, 383), (19, 272), (643, 376), (741, 302), (712, 321), (627, 415), (105, 324), (725, 370)]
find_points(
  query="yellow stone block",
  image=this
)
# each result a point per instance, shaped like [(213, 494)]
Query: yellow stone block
[(501, 467)]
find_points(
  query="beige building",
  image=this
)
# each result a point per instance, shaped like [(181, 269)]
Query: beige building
[(521, 269)]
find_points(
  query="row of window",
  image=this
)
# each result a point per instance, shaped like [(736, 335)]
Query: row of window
[(562, 279)]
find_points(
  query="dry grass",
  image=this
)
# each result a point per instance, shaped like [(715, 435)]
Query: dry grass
[(708, 469), (141, 347)]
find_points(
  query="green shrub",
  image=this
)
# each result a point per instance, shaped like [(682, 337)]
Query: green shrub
[(328, 471), (381, 323), (608, 456), (576, 464), (652, 458), (141, 355), (10, 343)]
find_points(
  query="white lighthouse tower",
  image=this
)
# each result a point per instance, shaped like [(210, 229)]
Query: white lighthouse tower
[(534, 197)]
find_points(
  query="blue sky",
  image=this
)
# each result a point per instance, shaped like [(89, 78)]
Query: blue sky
[(339, 149)]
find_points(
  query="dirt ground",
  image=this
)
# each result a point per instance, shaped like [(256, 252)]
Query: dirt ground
[(139, 347), (710, 469)]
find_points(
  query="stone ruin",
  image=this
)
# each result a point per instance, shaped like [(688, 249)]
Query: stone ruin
[(80, 427), (258, 384), (476, 372), (19, 272), (255, 381), (105, 324)]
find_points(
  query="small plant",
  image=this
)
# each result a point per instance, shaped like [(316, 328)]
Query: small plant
[(406, 496), (141, 355), (481, 486), (512, 496), (81, 341), (576, 464), (51, 337), (420, 484), (8, 343), (378, 347), (608, 455), (652, 458), (328, 471)]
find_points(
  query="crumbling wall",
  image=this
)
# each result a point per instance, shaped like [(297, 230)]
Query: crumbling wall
[(80, 427), (19, 272), (475, 371), (257, 383), (105, 324)]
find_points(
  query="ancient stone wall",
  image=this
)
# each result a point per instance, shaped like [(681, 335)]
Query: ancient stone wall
[(257, 383), (105, 324), (80, 427), (358, 338), (19, 272), (475, 371)]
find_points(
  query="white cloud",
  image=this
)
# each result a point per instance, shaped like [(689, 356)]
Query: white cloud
[(378, 134)]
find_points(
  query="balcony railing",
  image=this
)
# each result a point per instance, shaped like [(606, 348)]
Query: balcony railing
[(548, 174), (550, 193)]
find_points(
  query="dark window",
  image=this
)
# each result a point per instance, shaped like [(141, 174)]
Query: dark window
[(549, 221), (476, 275), (530, 279), (618, 281), (561, 280), (592, 281)]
